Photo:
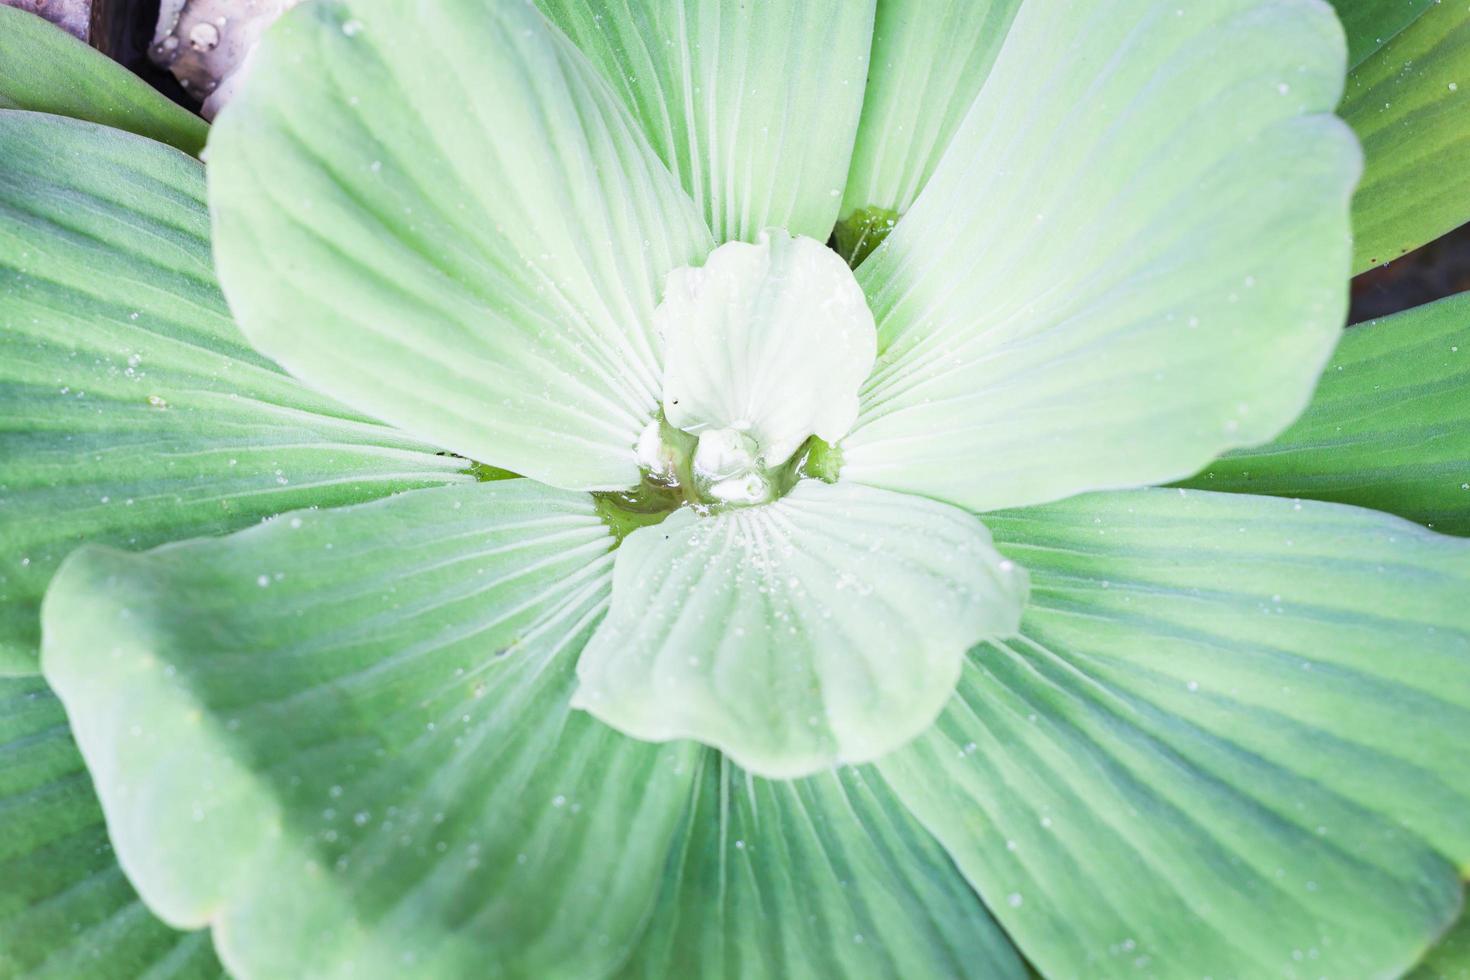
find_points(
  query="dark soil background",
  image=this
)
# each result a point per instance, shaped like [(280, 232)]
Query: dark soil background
[(122, 30), (1432, 272)]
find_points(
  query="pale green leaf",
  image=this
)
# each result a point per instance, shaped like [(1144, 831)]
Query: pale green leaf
[(753, 105), (1132, 257), (1230, 740), (928, 62), (45, 69), (826, 627), (472, 224), (342, 738), (1370, 24), (132, 412), (822, 877), (1389, 426), (66, 910), (771, 339), (1410, 106)]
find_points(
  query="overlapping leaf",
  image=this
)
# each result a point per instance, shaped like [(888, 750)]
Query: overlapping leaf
[(66, 910), (928, 62), (472, 223), (827, 876), (752, 105), (133, 411), (1131, 257), (1229, 740), (1389, 426), (342, 738)]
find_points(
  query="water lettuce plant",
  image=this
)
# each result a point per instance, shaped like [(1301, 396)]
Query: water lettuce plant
[(674, 489)]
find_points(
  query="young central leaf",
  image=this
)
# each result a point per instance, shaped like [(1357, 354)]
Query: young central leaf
[(765, 345)]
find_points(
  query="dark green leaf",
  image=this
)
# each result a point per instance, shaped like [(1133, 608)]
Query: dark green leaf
[(46, 69), (1410, 106), (1450, 957), (1370, 24), (66, 910)]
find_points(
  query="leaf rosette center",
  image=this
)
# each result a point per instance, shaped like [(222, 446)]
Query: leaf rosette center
[(766, 345)]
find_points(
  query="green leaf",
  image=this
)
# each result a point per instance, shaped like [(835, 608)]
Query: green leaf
[(47, 70), (858, 234), (1370, 24), (468, 218), (1450, 957), (1230, 740), (132, 412), (929, 60), (822, 877), (1389, 426), (753, 106), (826, 627), (1409, 104), (342, 738), (1131, 257), (66, 910)]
